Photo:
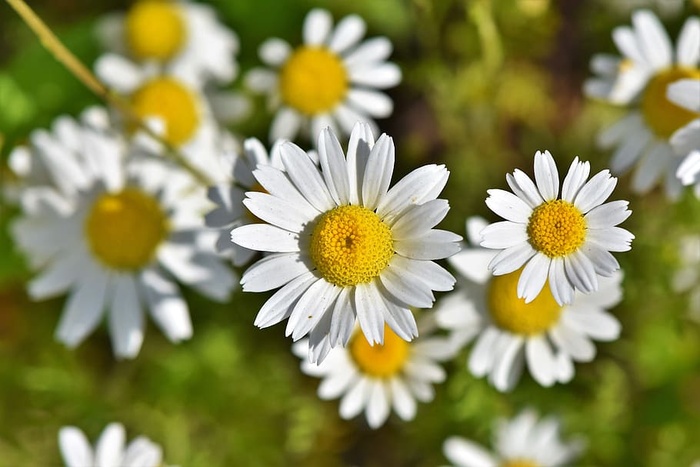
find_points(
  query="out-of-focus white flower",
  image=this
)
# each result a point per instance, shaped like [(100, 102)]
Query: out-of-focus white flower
[(333, 79), (110, 450), (687, 277), (640, 78), (376, 378), (176, 35), (686, 141), (116, 241)]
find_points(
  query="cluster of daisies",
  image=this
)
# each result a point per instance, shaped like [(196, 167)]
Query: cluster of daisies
[(120, 209)]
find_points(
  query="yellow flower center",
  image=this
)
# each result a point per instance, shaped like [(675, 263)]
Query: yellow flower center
[(380, 361), (661, 115), (350, 245), (512, 313), (313, 80), (170, 100), (155, 29), (519, 463), (556, 228), (124, 229)]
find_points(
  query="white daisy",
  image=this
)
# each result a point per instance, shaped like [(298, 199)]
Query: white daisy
[(565, 240), (687, 277), (332, 78), (686, 141), (377, 378), (117, 245), (345, 245), (110, 449), (641, 77), (176, 35), (174, 105), (546, 336), (521, 442)]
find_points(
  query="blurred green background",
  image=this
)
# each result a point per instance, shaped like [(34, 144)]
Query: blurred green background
[(486, 84)]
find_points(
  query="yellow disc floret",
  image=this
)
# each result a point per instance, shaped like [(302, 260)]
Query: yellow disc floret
[(661, 115), (155, 29), (512, 313), (556, 228), (519, 463), (313, 80), (350, 245), (173, 102), (379, 361), (124, 229)]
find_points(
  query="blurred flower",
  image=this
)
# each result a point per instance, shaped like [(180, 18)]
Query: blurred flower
[(565, 240), (117, 242), (177, 35), (521, 442), (174, 106), (343, 244), (381, 376), (641, 78), (110, 450), (510, 332), (687, 277), (331, 79), (686, 141)]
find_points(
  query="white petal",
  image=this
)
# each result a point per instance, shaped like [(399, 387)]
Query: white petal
[(463, 453), (655, 162), (595, 191), (482, 357), (263, 237), (578, 346), (377, 177), (629, 152), (274, 51), (604, 263), (343, 320), (377, 409), (359, 148), (372, 50), (564, 367), (75, 447), (126, 321), (306, 177), (598, 325), (612, 239), (575, 178), (504, 234), (508, 206), (511, 259), (348, 32), (559, 285), (506, 371), (546, 175), (58, 276), (110, 446), (580, 271), (607, 215), (317, 26), (533, 277), (433, 275), (419, 220), (524, 188), (141, 452), (166, 305), (379, 76), (334, 167), (652, 39), (280, 212), (688, 47), (279, 306), (436, 244), (540, 360), (626, 42), (419, 186), (285, 125), (83, 309), (689, 169), (473, 264), (376, 104), (401, 399), (310, 308), (274, 271), (119, 73), (408, 289), (368, 306), (355, 399)]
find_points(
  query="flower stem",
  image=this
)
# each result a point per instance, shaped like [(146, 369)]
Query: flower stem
[(83, 74)]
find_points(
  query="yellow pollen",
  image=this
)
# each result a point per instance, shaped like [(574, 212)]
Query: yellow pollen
[(380, 361), (661, 115), (512, 313), (556, 228), (313, 80), (155, 29), (170, 100), (519, 463), (350, 245), (124, 229)]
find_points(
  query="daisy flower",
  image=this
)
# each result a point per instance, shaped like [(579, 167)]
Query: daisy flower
[(117, 245), (177, 35), (687, 277), (686, 141), (523, 441), (377, 378), (174, 106), (565, 240), (332, 78), (640, 78), (546, 336), (110, 450), (343, 244)]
